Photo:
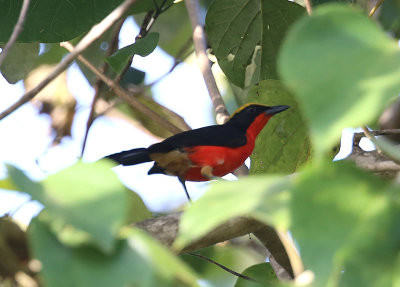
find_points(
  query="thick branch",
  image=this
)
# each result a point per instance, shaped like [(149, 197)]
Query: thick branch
[(165, 230), (374, 161), (86, 41)]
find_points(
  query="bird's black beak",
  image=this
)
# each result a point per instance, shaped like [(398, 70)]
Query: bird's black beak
[(277, 109)]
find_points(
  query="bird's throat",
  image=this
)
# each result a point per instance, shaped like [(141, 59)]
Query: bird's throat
[(257, 125)]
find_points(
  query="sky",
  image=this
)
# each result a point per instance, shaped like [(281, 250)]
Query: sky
[(26, 135)]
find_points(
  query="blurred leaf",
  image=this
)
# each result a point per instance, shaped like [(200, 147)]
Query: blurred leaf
[(50, 54), (264, 198), (53, 21), (19, 61), (141, 47), (347, 71), (132, 76), (86, 197), (55, 100), (389, 17), (262, 272), (246, 35), (137, 210), (167, 265), (132, 263), (164, 112), (283, 145), (339, 211), (174, 28), (7, 184), (236, 257), (14, 253)]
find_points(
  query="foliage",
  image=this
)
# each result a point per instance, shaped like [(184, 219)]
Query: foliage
[(336, 68)]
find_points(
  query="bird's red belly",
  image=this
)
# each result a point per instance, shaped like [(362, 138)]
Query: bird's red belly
[(223, 160)]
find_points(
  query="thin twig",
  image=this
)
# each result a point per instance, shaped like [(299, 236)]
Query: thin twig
[(375, 8), (388, 132), (223, 267), (86, 41), (308, 6), (17, 30), (99, 83), (370, 137), (200, 47), (126, 96), (145, 28)]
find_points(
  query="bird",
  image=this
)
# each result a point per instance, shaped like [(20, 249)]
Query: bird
[(205, 153)]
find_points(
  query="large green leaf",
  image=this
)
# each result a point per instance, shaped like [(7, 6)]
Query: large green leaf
[(85, 197), (265, 198), (245, 36), (342, 218), (137, 261), (283, 145), (19, 61), (343, 69), (53, 21)]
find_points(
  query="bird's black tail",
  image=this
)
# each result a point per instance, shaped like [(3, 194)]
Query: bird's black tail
[(130, 157)]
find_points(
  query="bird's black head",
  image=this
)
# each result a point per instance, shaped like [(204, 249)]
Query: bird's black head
[(245, 115)]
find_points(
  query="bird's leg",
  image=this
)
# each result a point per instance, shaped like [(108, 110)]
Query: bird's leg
[(182, 181)]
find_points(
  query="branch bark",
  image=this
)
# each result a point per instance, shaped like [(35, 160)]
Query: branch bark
[(199, 40), (86, 41), (165, 230)]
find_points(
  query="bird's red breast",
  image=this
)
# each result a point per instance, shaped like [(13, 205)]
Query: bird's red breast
[(223, 160)]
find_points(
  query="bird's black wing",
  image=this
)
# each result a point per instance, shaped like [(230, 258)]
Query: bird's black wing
[(216, 135)]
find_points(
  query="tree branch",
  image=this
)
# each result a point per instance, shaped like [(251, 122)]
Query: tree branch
[(200, 47), (17, 30), (126, 96), (86, 41), (165, 229)]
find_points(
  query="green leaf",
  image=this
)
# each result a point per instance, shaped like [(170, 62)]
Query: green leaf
[(174, 28), (53, 21), (263, 273), (265, 198), (82, 201), (236, 256), (389, 17), (168, 266), (137, 210), (343, 69), (132, 263), (7, 184), (339, 212), (142, 47), (19, 61), (246, 35), (283, 145)]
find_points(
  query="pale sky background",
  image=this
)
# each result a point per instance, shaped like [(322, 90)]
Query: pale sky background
[(26, 136)]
